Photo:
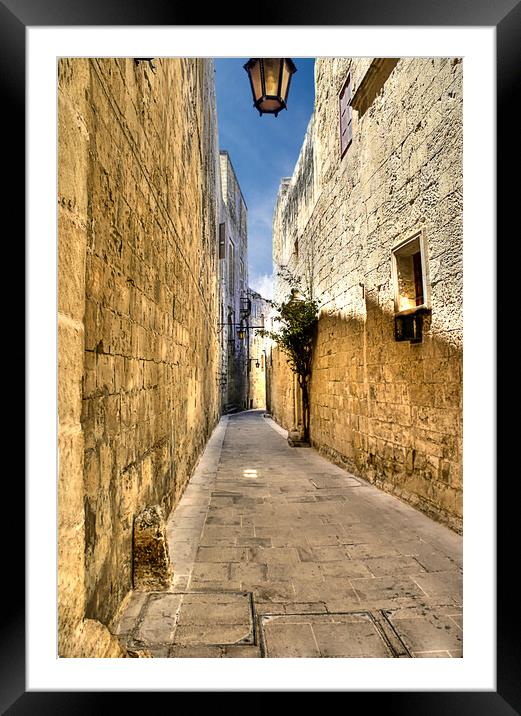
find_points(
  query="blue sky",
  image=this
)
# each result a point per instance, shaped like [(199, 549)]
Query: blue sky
[(262, 149)]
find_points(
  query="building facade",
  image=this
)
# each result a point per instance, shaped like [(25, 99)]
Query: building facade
[(138, 314), (257, 350), (233, 277), (371, 221)]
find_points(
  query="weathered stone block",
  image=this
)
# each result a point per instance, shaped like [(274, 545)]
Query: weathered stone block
[(70, 370), (151, 563), (95, 641), (71, 259), (70, 477)]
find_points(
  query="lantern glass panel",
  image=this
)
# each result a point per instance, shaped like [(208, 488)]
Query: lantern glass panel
[(271, 76), (286, 75), (255, 75)]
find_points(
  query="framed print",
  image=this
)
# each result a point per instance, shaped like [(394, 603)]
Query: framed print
[(34, 36)]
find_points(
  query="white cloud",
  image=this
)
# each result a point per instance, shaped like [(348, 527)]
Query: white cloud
[(260, 214), (263, 285)]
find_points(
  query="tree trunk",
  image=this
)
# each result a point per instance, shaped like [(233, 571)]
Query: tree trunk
[(305, 407)]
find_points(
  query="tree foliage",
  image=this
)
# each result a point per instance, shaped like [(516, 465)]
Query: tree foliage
[(298, 318)]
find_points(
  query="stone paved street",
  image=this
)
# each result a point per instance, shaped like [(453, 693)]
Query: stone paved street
[(279, 553)]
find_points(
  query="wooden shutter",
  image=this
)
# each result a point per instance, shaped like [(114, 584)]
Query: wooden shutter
[(222, 241), (418, 278), (346, 117)]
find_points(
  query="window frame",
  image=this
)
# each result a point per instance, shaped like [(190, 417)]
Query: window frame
[(426, 305)]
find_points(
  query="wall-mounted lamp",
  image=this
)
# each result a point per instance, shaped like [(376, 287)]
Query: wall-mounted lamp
[(270, 80)]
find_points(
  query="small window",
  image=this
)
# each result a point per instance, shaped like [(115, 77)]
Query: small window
[(346, 117), (410, 276), (222, 241), (231, 328), (238, 204), (231, 267)]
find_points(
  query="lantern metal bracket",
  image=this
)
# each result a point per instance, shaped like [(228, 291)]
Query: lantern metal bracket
[(137, 60), (408, 325), (257, 363)]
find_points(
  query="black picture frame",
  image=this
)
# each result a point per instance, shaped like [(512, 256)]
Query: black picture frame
[(505, 16)]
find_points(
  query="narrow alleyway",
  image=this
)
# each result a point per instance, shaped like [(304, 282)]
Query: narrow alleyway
[(279, 553)]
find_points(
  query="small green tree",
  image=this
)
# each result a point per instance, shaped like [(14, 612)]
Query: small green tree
[(298, 317)]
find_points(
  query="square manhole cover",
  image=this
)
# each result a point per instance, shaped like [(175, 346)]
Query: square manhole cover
[(189, 619), (327, 481), (215, 618), (429, 632), (350, 635)]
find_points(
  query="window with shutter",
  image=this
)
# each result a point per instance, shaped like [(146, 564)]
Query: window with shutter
[(346, 117), (222, 241), (231, 267), (418, 277)]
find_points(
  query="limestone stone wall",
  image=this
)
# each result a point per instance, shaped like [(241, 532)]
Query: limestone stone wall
[(281, 389), (258, 350), (391, 411), (138, 312)]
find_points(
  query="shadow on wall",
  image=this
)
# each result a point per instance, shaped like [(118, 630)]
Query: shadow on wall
[(389, 411)]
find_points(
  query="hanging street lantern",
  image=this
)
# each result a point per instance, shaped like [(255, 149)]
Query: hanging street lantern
[(270, 79)]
